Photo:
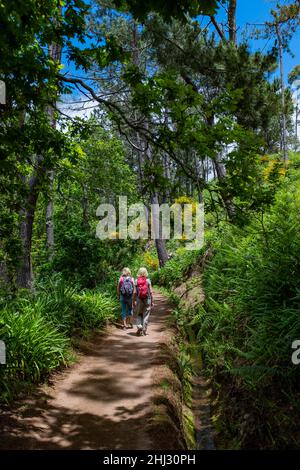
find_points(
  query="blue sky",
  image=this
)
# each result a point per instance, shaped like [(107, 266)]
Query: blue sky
[(258, 11)]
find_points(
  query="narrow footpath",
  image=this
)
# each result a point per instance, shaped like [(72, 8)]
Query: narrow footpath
[(103, 401)]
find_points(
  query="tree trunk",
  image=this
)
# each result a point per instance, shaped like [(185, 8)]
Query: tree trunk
[(161, 251), (160, 243), (221, 175), (283, 115), (4, 275), (85, 208), (167, 175), (54, 51), (49, 219), (232, 20), (24, 273)]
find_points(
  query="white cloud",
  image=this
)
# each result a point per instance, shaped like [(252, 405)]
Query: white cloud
[(77, 106)]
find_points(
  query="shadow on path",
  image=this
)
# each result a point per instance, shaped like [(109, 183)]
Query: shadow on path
[(102, 402)]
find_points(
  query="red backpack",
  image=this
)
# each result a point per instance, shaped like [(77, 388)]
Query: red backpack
[(142, 286)]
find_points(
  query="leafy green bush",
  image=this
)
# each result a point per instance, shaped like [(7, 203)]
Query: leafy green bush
[(93, 309), (34, 347), (176, 268), (72, 310)]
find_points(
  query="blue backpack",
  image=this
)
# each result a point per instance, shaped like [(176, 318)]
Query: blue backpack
[(127, 287)]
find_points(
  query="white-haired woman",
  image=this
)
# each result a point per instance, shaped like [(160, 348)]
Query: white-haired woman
[(142, 301), (125, 291)]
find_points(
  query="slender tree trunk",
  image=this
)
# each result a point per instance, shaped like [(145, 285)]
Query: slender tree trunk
[(85, 208), (167, 175), (283, 115), (221, 175), (25, 274), (214, 172), (54, 51), (49, 219), (140, 143), (140, 161), (160, 243), (4, 275), (232, 20)]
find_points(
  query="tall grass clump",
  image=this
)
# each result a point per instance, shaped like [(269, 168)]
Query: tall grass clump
[(34, 348)]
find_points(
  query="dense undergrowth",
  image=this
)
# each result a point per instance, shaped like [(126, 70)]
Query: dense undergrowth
[(40, 330), (248, 321)]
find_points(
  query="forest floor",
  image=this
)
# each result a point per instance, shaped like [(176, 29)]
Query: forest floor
[(103, 401)]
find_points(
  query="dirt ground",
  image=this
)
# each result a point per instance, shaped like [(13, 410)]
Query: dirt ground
[(104, 401)]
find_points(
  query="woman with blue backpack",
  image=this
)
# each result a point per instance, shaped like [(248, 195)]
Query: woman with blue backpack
[(125, 294)]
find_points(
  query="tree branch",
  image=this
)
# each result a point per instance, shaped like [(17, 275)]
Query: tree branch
[(135, 126), (219, 31)]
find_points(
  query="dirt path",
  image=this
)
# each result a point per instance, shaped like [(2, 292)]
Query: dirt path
[(102, 402)]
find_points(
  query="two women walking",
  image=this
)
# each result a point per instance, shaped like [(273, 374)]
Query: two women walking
[(136, 300)]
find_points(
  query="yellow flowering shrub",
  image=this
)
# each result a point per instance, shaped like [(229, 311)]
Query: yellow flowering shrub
[(150, 260)]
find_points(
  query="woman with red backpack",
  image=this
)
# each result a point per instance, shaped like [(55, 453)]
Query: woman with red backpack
[(142, 301), (125, 291)]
